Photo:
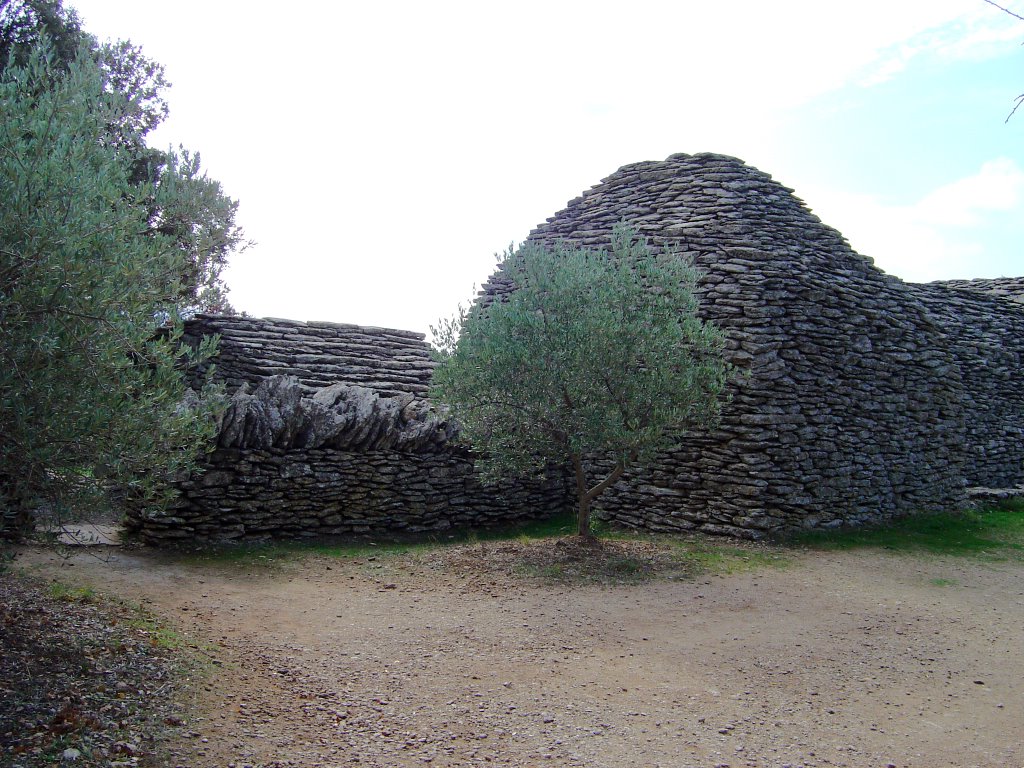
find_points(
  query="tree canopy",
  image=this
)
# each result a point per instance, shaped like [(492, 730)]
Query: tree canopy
[(92, 262), (594, 359), (205, 229)]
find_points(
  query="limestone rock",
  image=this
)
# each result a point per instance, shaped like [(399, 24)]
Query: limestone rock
[(342, 416)]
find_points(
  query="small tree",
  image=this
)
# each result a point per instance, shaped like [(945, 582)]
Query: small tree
[(594, 358)]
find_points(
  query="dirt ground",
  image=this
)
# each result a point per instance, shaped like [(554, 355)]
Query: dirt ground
[(839, 659)]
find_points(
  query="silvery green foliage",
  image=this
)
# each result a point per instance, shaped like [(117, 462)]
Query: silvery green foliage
[(594, 358), (185, 203), (90, 394)]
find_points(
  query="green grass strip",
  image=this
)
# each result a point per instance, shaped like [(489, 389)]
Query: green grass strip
[(995, 534)]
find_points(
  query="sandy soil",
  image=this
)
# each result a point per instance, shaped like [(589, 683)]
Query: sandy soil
[(854, 659)]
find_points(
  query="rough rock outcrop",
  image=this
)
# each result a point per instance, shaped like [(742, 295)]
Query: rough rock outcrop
[(278, 415), (327, 433)]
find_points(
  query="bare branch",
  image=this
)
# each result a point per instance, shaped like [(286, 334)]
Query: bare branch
[(1004, 10), (1018, 101)]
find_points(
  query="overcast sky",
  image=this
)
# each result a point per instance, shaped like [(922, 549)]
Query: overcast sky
[(384, 151)]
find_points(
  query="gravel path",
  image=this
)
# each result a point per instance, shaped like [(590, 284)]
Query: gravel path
[(850, 659)]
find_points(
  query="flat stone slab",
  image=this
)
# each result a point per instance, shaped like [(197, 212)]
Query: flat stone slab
[(995, 494)]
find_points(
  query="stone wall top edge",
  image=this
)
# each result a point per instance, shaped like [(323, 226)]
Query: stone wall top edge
[(959, 292), (258, 322), (700, 161), (1011, 288)]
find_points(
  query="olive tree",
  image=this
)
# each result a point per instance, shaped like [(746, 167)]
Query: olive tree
[(592, 359), (184, 202), (90, 392)]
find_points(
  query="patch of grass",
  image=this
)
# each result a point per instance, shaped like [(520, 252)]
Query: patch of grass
[(568, 560), (992, 534), (648, 556), (625, 567), (551, 572), (160, 636), (708, 557), (64, 649), (274, 555), (943, 582), (60, 591), (704, 554), (618, 558), (560, 525)]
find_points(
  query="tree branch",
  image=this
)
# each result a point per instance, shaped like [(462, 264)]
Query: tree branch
[(1004, 10), (601, 487), (1019, 100)]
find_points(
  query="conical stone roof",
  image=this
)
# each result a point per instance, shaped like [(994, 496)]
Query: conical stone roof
[(851, 404)]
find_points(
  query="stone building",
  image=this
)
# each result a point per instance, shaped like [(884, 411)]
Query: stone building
[(328, 433), (860, 397)]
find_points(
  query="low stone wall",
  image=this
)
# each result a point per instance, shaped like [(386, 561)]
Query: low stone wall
[(246, 495), (388, 361), (295, 460)]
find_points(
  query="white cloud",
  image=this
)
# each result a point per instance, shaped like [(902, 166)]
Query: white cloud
[(939, 236), (998, 186), (945, 30), (383, 151)]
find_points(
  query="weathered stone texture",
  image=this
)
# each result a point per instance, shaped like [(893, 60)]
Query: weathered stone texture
[(1005, 287), (858, 396), (279, 415), (855, 401), (388, 361), (985, 331), (278, 493), (327, 433)]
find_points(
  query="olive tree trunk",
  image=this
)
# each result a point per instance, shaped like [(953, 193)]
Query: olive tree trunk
[(585, 496)]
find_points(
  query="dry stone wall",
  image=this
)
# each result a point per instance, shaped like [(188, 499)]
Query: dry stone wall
[(279, 493), (855, 395), (327, 433), (1011, 288), (986, 334), (388, 361), (858, 396)]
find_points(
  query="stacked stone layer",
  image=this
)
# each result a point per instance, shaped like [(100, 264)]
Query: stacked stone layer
[(388, 361), (857, 397), (856, 400), (1005, 287), (278, 493), (328, 433), (986, 334)]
